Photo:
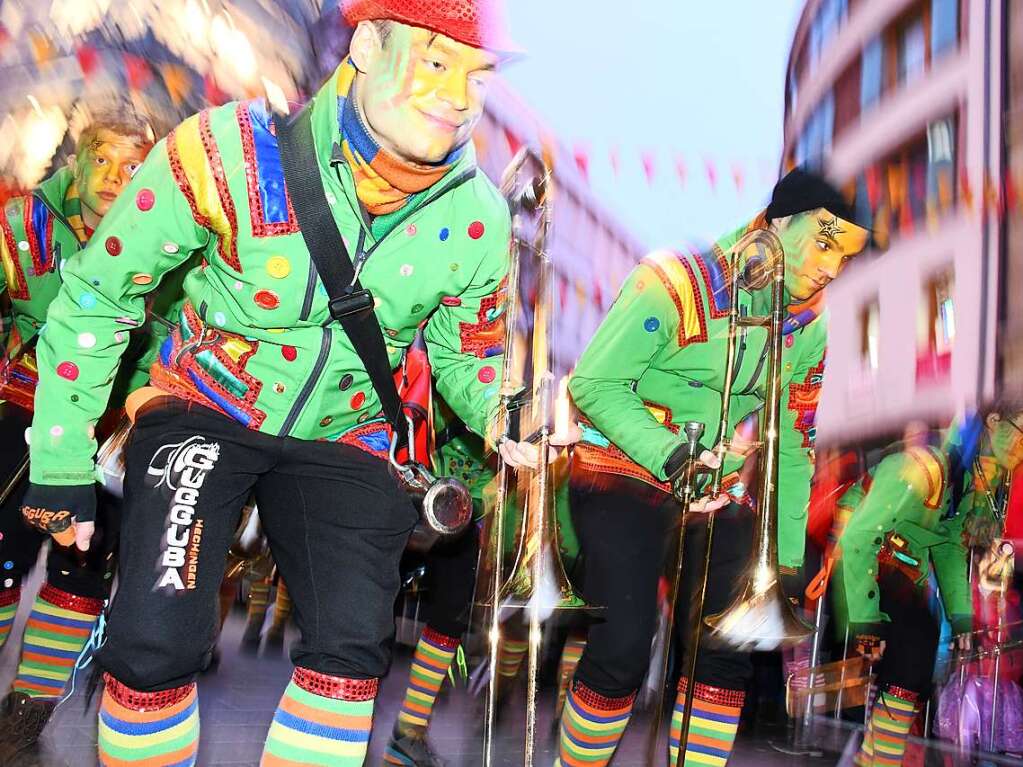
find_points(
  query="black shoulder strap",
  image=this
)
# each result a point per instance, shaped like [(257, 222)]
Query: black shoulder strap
[(350, 304)]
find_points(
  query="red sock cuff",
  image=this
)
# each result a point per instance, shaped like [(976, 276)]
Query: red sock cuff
[(441, 640), (145, 701), (902, 693), (720, 696), (595, 700), (335, 687), (68, 601)]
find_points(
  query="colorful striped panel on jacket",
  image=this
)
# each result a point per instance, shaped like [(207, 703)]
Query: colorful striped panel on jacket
[(27, 224), (676, 274)]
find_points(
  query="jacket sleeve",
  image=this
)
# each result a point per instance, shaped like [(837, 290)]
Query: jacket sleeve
[(640, 323), (102, 297), (6, 309), (465, 336), (950, 560), (798, 413)]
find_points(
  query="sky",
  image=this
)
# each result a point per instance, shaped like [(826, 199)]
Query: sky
[(698, 79)]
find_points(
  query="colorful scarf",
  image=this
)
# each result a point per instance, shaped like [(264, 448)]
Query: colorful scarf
[(73, 214), (383, 182)]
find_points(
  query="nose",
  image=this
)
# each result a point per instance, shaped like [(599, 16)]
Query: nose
[(455, 91), (830, 268)]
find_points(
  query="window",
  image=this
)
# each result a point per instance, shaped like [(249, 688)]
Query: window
[(847, 97), (872, 76), (944, 26), (870, 335), (824, 25), (936, 329), (912, 51), (815, 141)]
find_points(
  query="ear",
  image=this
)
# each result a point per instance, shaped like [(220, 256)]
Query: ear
[(992, 421), (365, 46)]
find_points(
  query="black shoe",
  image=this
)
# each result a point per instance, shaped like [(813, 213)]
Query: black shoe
[(22, 720), (411, 749), (251, 637)]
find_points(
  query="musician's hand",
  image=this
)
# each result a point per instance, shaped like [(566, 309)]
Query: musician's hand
[(520, 455), (709, 458), (963, 642), (67, 512), (707, 504), (870, 646), (570, 436)]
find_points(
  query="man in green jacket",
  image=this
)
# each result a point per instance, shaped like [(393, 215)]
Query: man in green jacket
[(258, 390), (913, 512), (656, 362), (42, 234)]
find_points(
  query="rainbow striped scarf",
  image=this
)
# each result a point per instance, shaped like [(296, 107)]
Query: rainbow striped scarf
[(73, 214), (383, 183)]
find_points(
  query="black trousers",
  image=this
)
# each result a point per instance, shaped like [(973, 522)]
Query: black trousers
[(450, 580), (626, 531), (911, 639), (336, 520), (85, 575)]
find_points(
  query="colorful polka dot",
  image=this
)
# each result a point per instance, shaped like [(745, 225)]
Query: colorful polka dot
[(95, 283), (238, 285), (145, 200), (278, 267), (363, 417), (9, 581), (346, 382), (290, 353), (640, 284), (74, 398), (8, 565), (113, 246), (789, 340), (56, 431), (451, 301), (444, 234), (417, 308), (489, 392), (280, 388), (411, 230), (142, 279), (28, 436), (68, 370), (455, 267), (170, 248), (86, 340), (476, 229), (406, 270), (119, 337), (326, 421), (487, 375), (23, 246), (87, 301), (651, 324), (358, 400), (220, 318), (266, 299)]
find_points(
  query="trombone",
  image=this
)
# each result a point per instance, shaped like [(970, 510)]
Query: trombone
[(760, 617), (537, 567)]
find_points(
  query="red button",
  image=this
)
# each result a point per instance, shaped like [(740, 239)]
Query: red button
[(476, 229), (145, 200), (266, 299), (487, 375), (451, 301), (289, 353), (789, 340), (113, 246), (68, 370), (358, 401)]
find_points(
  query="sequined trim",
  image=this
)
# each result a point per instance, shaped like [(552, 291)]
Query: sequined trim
[(10, 596), (803, 400), (601, 702), (373, 438), (17, 291), (66, 601), (610, 459), (485, 337), (716, 280), (933, 469), (440, 640), (720, 696), (257, 215), (684, 340), (146, 701), (181, 179), (335, 687), (902, 693), (217, 168)]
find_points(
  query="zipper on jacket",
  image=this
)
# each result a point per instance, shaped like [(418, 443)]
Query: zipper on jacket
[(310, 384)]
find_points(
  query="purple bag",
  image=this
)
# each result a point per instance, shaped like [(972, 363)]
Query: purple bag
[(964, 714)]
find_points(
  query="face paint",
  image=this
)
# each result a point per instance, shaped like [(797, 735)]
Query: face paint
[(1007, 441), (423, 94), (103, 169), (818, 245)]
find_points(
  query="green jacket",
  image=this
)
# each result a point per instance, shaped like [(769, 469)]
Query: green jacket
[(658, 360), (37, 246), (903, 518), (255, 339)]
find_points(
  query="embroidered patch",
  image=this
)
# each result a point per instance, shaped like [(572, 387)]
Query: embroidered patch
[(485, 337), (270, 210), (803, 400)]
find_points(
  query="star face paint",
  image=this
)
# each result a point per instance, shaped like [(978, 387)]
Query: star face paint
[(103, 169), (423, 93), (818, 245)]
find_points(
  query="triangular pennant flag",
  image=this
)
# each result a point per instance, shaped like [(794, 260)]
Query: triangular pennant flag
[(739, 177), (480, 140), (514, 144), (563, 292), (582, 161), (966, 189), (88, 60), (680, 170), (598, 294), (649, 160), (214, 95), (176, 81), (712, 173), (138, 72), (612, 157), (873, 177), (42, 49)]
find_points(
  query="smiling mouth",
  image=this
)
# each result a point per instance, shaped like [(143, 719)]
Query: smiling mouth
[(440, 122), (108, 196)]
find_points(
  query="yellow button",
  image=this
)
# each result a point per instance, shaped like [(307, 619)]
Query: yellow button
[(278, 267)]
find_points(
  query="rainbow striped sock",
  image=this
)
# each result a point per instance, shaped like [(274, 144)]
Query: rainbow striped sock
[(591, 726), (571, 654), (884, 742), (9, 599), (712, 726), (510, 657), (321, 720), (57, 630), (149, 729), (430, 664)]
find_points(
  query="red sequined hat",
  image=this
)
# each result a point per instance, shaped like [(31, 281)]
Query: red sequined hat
[(479, 23)]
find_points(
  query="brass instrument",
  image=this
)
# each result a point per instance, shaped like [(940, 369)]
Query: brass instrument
[(761, 617), (536, 567)]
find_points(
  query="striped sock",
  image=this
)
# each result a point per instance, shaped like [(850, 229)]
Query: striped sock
[(430, 664), (884, 742), (9, 599), (591, 726), (57, 630), (510, 657), (712, 726), (149, 729), (321, 720), (571, 653)]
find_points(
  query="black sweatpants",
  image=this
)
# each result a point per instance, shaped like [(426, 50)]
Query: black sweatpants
[(911, 639), (336, 520), (68, 569), (450, 580), (626, 531)]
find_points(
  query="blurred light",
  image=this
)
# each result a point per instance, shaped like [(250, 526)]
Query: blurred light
[(276, 96)]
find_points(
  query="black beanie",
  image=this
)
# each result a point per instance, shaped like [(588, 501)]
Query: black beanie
[(802, 190)]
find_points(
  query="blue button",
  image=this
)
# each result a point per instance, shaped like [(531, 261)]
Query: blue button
[(651, 324), (444, 234)]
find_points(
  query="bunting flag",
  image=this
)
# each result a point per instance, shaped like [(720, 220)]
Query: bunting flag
[(214, 95), (43, 51), (514, 144), (177, 82), (738, 176), (88, 60), (1010, 193), (680, 170), (582, 161), (138, 72), (580, 293), (598, 294), (966, 190), (712, 173), (563, 292), (649, 167), (612, 157)]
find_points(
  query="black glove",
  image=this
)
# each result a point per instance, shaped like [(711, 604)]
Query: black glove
[(677, 460), (54, 508)]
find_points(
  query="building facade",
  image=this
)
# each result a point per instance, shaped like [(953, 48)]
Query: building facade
[(901, 103)]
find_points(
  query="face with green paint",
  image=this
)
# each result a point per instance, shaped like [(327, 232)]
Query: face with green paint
[(421, 94), (103, 168), (1006, 439), (818, 245)]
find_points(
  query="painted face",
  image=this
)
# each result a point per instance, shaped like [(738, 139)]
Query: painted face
[(105, 167), (818, 245), (1007, 441), (422, 94)]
